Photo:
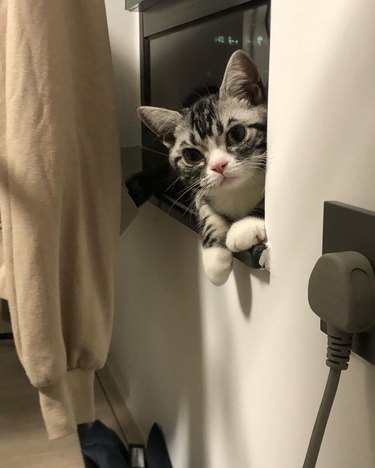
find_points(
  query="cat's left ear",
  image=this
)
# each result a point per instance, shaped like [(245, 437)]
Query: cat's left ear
[(242, 80), (162, 122)]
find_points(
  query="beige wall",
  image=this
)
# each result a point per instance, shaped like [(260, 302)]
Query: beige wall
[(123, 34), (235, 374)]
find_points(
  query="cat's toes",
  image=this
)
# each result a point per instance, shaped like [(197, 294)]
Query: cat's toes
[(245, 233), (217, 262), (264, 260)]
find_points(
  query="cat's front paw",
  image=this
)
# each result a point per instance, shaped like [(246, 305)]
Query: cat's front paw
[(246, 233), (217, 262)]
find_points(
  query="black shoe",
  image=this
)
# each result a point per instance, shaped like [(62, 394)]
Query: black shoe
[(101, 447), (156, 451)]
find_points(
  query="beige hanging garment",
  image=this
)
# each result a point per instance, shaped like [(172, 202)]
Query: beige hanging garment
[(59, 197)]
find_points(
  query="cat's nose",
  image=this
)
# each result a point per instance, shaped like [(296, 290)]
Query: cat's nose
[(219, 166)]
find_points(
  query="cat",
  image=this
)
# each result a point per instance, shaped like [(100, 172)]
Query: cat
[(218, 148)]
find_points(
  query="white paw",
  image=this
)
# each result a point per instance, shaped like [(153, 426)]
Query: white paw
[(217, 262), (245, 233), (264, 260)]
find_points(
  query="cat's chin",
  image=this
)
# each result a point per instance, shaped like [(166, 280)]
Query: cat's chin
[(229, 182), (224, 183), (225, 180)]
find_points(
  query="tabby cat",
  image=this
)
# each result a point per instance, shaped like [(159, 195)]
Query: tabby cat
[(218, 149)]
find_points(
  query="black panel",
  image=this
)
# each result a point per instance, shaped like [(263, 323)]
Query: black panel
[(183, 63), (195, 55), (171, 13), (347, 228)]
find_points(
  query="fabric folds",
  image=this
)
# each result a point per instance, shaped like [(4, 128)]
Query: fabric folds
[(60, 195)]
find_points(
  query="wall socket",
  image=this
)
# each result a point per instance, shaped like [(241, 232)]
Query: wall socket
[(347, 228)]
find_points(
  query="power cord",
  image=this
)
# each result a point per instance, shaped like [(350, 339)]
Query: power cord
[(338, 355), (342, 294)]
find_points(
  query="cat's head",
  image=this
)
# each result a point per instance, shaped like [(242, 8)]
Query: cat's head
[(220, 141)]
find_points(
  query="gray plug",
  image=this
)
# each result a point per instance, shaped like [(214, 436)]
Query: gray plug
[(342, 291), (342, 294)]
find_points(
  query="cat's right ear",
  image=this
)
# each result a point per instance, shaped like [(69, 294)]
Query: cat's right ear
[(242, 80), (162, 122)]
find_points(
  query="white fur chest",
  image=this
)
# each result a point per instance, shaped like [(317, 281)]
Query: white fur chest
[(237, 202)]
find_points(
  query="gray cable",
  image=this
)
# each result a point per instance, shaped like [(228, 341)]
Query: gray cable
[(322, 418)]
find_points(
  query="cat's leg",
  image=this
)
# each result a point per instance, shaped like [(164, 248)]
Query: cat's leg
[(246, 233), (217, 262), (217, 258)]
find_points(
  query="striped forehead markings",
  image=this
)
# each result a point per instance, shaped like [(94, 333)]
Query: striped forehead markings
[(193, 139), (231, 120), (261, 127), (219, 126), (203, 115)]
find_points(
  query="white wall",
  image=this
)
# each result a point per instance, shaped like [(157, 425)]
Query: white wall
[(123, 35), (235, 374)]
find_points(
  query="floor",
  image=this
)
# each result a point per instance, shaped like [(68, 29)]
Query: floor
[(23, 439)]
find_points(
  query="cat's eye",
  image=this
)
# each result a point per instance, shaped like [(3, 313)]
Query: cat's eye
[(192, 156), (236, 134)]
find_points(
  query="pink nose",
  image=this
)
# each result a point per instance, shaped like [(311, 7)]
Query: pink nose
[(219, 166)]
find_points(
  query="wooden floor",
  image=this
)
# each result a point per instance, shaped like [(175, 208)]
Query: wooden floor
[(23, 439)]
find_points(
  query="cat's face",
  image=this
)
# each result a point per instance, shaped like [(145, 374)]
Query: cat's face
[(220, 141)]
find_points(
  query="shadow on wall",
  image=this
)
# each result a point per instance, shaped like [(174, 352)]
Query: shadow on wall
[(123, 27), (128, 97), (157, 342), (243, 285), (163, 352), (369, 397)]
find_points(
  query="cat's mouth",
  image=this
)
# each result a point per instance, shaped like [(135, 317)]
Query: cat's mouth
[(223, 180), (227, 178), (231, 180)]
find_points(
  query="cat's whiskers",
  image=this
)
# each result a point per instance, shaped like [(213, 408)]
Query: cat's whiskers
[(190, 187), (255, 162), (173, 184), (184, 192), (258, 157), (192, 207)]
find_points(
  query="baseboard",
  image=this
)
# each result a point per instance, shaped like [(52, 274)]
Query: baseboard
[(129, 428)]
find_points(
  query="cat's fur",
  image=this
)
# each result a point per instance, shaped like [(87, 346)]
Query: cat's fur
[(228, 177)]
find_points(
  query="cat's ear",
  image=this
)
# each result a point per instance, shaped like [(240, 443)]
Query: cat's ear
[(162, 122), (242, 80)]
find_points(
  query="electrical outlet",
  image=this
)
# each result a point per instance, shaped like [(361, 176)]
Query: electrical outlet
[(348, 228)]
